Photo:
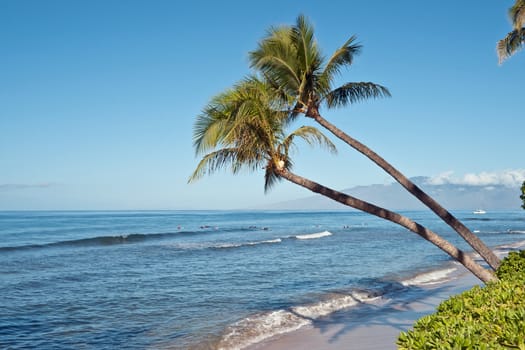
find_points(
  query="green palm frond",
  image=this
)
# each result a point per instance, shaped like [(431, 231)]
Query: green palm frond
[(276, 56), (311, 136), (207, 133), (245, 126), (214, 124), (354, 92), (308, 54), (285, 100), (271, 178), (515, 40), (214, 161), (264, 93), (517, 14), (290, 58), (342, 57), (512, 43)]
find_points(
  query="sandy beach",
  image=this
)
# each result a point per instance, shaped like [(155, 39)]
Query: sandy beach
[(370, 327)]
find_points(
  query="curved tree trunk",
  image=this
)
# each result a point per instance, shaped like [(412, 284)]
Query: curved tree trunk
[(464, 259), (444, 214)]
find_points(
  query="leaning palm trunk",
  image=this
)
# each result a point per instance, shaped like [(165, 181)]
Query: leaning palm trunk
[(460, 256), (444, 214)]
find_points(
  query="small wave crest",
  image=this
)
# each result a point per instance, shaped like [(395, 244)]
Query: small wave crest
[(335, 303), (430, 278), (221, 245), (259, 327), (503, 250), (515, 245), (516, 231), (244, 244), (314, 235)]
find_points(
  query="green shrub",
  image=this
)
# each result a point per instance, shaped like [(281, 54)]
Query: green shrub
[(492, 317), (513, 266)]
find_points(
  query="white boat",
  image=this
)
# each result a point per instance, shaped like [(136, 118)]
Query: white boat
[(479, 211)]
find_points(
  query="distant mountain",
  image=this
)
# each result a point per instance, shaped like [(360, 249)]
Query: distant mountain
[(393, 196)]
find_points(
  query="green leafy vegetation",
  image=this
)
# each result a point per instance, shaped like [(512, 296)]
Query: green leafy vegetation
[(492, 317), (513, 268), (522, 196)]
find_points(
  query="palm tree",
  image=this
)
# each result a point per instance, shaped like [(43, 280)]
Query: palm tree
[(244, 127), (290, 58), (514, 40)]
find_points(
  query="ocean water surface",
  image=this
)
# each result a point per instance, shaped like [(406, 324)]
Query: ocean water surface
[(209, 279)]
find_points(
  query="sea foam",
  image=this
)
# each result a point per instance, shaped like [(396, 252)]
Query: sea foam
[(429, 278), (262, 326), (504, 250), (335, 303), (222, 245), (515, 245), (245, 244), (259, 327), (314, 235)]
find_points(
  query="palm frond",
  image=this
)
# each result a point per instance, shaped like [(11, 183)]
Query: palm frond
[(512, 43), (284, 99), (246, 127), (517, 14), (209, 130), (207, 133), (264, 92), (247, 121), (271, 178), (276, 56), (213, 126), (260, 118), (311, 136), (214, 161), (354, 92), (308, 54), (342, 57)]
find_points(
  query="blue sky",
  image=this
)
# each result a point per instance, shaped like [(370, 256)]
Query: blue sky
[(98, 98)]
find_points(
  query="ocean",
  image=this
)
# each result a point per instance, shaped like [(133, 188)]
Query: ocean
[(210, 279)]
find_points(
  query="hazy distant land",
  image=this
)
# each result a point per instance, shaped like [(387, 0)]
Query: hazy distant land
[(393, 196)]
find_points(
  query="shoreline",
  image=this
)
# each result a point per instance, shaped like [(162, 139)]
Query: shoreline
[(370, 326)]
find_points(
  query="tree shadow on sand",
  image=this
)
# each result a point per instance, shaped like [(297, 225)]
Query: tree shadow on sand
[(397, 309)]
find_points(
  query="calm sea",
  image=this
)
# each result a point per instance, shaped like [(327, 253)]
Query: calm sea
[(208, 279)]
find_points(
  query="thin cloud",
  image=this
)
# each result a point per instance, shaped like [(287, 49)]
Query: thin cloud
[(13, 187), (510, 178)]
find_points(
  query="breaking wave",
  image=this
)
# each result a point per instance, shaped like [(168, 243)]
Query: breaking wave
[(261, 326), (429, 278), (516, 231), (314, 235), (244, 244), (503, 250), (512, 246)]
